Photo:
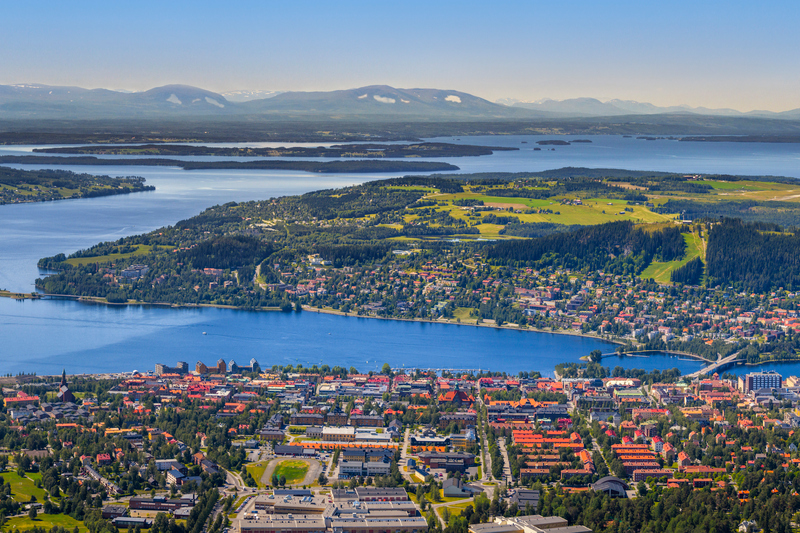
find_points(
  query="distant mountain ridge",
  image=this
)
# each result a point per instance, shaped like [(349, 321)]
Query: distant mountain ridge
[(374, 102), (586, 107)]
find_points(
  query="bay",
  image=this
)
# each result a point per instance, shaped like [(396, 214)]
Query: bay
[(96, 338)]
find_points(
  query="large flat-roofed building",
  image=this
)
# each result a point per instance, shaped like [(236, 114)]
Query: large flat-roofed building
[(159, 503), (307, 505), (415, 524), (339, 434), (760, 380), (450, 462), (348, 469), (370, 494), (284, 524), (528, 524)]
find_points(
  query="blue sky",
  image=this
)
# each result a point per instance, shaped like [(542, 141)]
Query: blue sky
[(742, 55)]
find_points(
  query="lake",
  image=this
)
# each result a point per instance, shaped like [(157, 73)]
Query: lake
[(46, 336)]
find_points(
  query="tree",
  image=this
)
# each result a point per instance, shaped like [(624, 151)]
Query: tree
[(595, 356), (32, 512), (282, 480), (387, 369)]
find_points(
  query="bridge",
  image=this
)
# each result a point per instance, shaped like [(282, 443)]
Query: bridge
[(714, 367)]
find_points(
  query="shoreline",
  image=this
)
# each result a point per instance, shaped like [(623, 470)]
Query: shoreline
[(21, 296)]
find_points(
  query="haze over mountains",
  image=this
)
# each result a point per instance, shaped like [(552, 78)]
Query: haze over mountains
[(583, 107), (175, 101)]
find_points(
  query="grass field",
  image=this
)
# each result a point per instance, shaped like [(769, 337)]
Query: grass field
[(45, 521), (457, 508), (660, 271), (293, 471), (462, 313), (23, 488), (257, 471), (141, 249)]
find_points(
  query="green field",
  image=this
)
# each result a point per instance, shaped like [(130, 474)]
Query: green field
[(293, 471), (457, 508), (257, 471), (23, 488), (660, 271), (45, 521), (141, 249), (462, 313)]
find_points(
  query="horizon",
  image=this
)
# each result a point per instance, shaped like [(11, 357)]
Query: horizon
[(498, 101), (740, 58)]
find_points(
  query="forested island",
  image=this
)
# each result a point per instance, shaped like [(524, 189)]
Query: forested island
[(20, 186), (576, 253), (366, 150), (327, 167)]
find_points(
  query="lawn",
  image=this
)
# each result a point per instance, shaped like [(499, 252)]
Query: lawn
[(293, 471), (23, 488), (463, 313), (141, 249), (45, 521), (257, 471), (660, 271), (457, 508)]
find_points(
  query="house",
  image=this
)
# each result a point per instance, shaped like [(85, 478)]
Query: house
[(683, 460)]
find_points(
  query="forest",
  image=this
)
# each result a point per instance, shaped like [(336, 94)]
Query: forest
[(752, 257), (595, 247)]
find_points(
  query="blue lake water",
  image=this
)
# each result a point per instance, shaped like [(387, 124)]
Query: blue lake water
[(45, 336)]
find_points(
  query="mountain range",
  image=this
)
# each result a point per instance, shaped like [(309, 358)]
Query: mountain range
[(592, 107), (376, 101)]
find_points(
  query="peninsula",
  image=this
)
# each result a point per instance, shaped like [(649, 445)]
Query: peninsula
[(23, 186), (560, 250), (356, 165)]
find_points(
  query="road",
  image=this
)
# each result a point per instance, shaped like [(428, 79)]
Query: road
[(710, 369), (404, 470), (501, 443), (438, 506)]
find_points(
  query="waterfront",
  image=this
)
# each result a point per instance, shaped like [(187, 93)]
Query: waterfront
[(44, 336)]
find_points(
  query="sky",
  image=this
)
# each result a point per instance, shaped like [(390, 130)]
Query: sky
[(740, 55)]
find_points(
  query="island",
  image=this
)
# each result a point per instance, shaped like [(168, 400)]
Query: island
[(327, 167), (364, 150), (23, 186), (597, 252), (553, 143)]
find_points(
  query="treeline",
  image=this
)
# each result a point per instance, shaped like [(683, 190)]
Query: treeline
[(444, 184), (689, 274), (537, 229), (227, 252), (750, 258), (785, 214), (594, 246), (356, 201)]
